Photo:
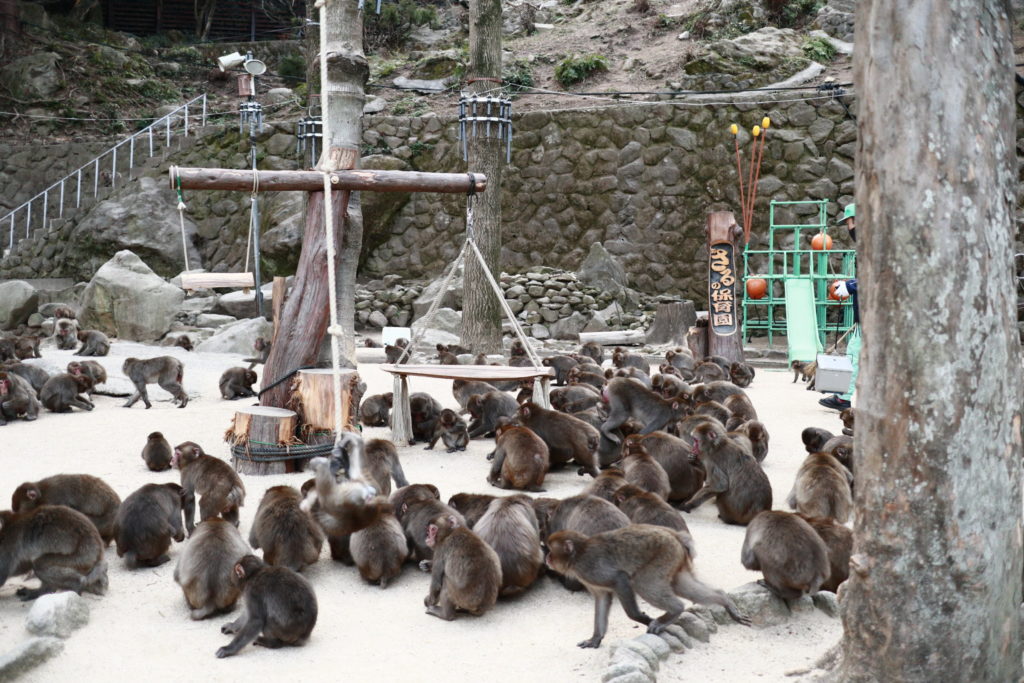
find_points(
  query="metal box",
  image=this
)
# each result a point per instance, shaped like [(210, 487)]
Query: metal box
[(833, 373)]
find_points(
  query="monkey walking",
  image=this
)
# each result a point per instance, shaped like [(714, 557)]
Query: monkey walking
[(163, 370)]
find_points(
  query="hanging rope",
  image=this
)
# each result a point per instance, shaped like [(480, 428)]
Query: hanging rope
[(181, 222), (252, 215)]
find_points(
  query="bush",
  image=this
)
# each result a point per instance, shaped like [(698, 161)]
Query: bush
[(791, 13), (518, 76), (390, 28), (819, 50), (578, 68), (292, 67)]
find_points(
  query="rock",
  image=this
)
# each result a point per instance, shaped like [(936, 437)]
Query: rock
[(826, 602), (128, 300), (374, 104), (57, 614), (35, 320), (431, 337), (35, 77), (279, 95), (601, 270), (452, 298), (18, 300), (242, 304), (659, 646), (144, 221), (238, 337), (674, 643), (199, 304), (421, 85), (621, 669), (445, 319), (695, 627), (646, 653), (46, 310), (633, 677), (214, 320), (377, 319), (632, 660), (763, 608), (569, 328), (28, 655), (538, 331), (761, 57)]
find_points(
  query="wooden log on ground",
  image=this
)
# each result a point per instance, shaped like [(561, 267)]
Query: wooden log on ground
[(260, 427), (313, 181), (615, 337), (672, 322), (313, 400)]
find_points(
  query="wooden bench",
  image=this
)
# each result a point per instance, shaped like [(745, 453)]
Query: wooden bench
[(401, 429)]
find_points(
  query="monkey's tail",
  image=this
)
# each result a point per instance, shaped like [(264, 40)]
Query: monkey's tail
[(115, 394), (236, 496)]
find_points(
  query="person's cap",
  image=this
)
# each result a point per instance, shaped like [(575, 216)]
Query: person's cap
[(848, 212)]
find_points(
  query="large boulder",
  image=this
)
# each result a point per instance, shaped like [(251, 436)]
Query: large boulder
[(758, 58), (18, 300), (452, 298), (128, 300), (282, 221), (445, 319), (144, 221), (242, 304), (35, 77), (238, 337)]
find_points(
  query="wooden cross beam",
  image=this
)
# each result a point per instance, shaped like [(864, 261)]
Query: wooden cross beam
[(244, 180)]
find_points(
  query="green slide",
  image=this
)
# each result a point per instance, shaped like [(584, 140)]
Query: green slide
[(801, 321)]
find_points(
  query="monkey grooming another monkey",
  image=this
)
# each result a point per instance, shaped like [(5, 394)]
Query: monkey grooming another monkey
[(145, 524), (640, 559), (486, 409), (452, 430), (278, 603), (643, 471), (416, 506), (237, 383), (510, 527), (94, 343), (471, 506), (788, 552), (734, 479), (380, 549), (375, 410), (216, 482), (59, 545), (17, 398), (91, 369), (205, 568), (465, 572), (163, 370), (822, 488), (157, 453), (82, 492), (520, 459), (289, 537), (629, 399), (839, 541), (567, 438)]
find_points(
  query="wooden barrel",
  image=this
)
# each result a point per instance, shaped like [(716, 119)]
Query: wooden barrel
[(313, 400), (258, 428)]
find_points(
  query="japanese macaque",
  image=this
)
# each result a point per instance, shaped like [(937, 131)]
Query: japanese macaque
[(157, 453), (629, 399), (734, 479), (64, 391), (643, 471), (379, 550), (375, 411), (567, 438), (451, 429), (216, 482), (465, 572), (237, 383), (289, 537), (163, 370), (416, 506), (520, 459), (510, 527), (205, 568), (594, 351), (788, 552), (85, 493), (145, 524), (623, 359), (486, 409), (822, 488), (17, 398), (65, 331), (278, 607), (262, 348), (94, 343), (639, 559), (562, 366)]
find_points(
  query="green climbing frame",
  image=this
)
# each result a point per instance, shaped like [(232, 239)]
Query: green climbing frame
[(788, 256)]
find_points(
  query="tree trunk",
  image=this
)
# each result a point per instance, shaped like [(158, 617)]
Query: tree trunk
[(204, 10), (481, 318), (672, 321), (935, 588), (10, 26)]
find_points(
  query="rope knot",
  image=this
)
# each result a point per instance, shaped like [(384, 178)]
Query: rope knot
[(335, 331)]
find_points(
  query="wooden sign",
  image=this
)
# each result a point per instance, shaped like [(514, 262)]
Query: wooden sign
[(723, 337)]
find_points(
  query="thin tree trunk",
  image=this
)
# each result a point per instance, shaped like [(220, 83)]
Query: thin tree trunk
[(204, 10), (481, 319), (935, 588)]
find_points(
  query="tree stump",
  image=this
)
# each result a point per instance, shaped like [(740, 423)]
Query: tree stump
[(697, 341), (672, 322), (259, 427), (313, 400)]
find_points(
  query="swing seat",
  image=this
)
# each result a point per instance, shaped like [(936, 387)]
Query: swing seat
[(191, 281), (471, 372)]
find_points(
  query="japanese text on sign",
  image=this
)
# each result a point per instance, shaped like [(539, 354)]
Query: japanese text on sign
[(722, 290)]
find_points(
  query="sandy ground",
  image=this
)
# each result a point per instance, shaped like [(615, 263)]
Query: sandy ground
[(141, 629)]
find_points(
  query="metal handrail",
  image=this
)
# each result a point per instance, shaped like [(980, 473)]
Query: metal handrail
[(161, 128)]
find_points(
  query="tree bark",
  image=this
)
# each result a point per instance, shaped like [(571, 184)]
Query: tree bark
[(935, 588), (204, 11), (481, 315), (672, 322)]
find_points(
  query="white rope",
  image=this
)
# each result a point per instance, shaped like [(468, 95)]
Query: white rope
[(252, 216), (181, 221), (434, 305)]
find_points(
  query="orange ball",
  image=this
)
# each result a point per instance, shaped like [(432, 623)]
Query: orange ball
[(757, 287), (832, 291), (821, 241)]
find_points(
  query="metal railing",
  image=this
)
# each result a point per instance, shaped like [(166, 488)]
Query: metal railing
[(69, 191)]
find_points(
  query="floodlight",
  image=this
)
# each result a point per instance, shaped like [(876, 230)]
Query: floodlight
[(254, 66), (229, 61)]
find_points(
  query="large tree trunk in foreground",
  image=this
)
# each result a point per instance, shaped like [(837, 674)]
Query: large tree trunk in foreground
[(482, 314), (935, 588)]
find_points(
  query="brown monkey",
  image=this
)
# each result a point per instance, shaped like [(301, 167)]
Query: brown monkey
[(822, 488), (91, 369), (734, 479), (720, 361), (219, 486), (591, 364), (568, 438), (381, 465), (741, 374), (17, 398), (639, 560), (485, 409), (452, 430), (395, 351), (520, 459), (839, 541), (595, 417), (289, 537), (424, 410), (757, 435), (741, 408), (94, 343), (593, 350), (802, 370), (574, 398), (278, 603), (632, 373), (847, 416), (641, 470), (375, 411), (65, 331), (83, 492), (673, 454), (581, 375), (471, 506), (237, 383), (342, 509), (706, 371), (205, 565), (517, 350), (64, 312), (58, 544), (164, 370), (379, 550), (145, 524), (607, 483), (27, 346), (262, 348), (841, 448), (157, 452), (643, 507), (34, 374), (465, 573), (562, 366), (184, 342), (682, 360), (714, 391), (416, 506), (454, 349), (63, 391), (510, 527), (585, 514), (788, 551), (671, 385), (623, 359), (815, 438), (462, 389), (713, 409), (628, 399), (446, 358)]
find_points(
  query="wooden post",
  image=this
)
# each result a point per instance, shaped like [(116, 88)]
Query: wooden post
[(256, 426), (724, 336), (277, 301)]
